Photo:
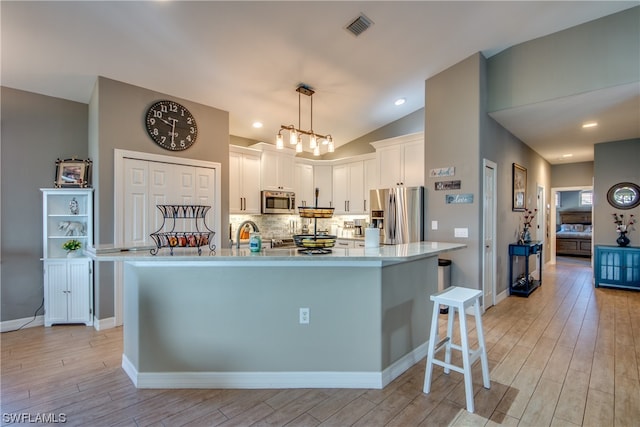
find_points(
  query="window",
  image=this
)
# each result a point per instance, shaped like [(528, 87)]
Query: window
[(586, 198), (557, 196)]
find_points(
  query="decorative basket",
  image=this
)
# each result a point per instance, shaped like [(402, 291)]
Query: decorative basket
[(307, 212), (310, 241)]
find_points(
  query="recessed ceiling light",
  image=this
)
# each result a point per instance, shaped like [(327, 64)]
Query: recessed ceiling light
[(589, 125), (566, 156), (257, 125), (400, 101)]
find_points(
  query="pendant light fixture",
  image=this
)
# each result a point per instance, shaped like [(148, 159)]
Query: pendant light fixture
[(295, 133)]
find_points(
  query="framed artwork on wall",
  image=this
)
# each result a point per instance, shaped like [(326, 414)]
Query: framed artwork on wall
[(519, 188), (73, 173)]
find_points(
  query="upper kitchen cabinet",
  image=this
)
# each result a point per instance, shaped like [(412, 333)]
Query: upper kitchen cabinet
[(304, 188), (244, 180), (322, 180), (351, 186), (277, 167), (401, 160), (371, 180)]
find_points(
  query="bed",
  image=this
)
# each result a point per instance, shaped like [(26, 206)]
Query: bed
[(573, 236)]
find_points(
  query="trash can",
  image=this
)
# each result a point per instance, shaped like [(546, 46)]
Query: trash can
[(444, 279)]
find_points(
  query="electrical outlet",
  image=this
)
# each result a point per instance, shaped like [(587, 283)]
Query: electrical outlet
[(304, 316), (434, 225)]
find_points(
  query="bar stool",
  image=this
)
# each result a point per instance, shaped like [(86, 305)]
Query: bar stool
[(457, 299)]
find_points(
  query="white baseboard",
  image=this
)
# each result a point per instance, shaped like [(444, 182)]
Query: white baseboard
[(27, 322), (258, 380), (502, 296), (401, 365), (102, 324)]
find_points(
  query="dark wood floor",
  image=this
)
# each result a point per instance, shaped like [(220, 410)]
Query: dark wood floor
[(567, 355)]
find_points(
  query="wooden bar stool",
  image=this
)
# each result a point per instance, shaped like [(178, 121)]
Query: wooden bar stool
[(458, 299)]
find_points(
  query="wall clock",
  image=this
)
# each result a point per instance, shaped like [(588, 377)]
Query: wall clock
[(171, 125)]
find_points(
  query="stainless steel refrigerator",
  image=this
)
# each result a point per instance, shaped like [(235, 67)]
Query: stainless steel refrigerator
[(398, 213)]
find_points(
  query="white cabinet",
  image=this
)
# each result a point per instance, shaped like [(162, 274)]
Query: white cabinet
[(244, 181), (371, 180), (347, 243), (68, 291), (348, 188), (304, 189), (277, 170), (401, 160), (322, 180), (67, 214)]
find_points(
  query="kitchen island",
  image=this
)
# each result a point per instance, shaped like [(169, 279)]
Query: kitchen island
[(232, 319)]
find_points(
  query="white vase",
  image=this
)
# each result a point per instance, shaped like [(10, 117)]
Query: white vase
[(73, 254)]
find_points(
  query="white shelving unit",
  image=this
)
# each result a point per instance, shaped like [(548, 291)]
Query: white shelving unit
[(68, 281)]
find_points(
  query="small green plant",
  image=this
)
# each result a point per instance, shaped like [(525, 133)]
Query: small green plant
[(71, 245)]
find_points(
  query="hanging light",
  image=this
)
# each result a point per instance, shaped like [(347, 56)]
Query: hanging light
[(295, 134), (299, 144), (331, 147)]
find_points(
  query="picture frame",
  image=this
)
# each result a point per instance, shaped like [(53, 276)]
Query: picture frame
[(73, 173), (519, 188)]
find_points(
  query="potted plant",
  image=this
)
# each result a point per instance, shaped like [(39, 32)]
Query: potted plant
[(72, 247)]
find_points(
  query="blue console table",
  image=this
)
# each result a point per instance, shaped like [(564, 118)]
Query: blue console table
[(523, 284), (617, 266)]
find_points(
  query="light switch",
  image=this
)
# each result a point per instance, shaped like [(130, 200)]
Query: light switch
[(461, 232), (434, 225)]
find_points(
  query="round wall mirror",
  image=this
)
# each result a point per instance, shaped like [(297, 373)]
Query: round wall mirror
[(625, 195)]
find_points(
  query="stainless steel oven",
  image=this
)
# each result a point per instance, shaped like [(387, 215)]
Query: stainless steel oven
[(278, 202)]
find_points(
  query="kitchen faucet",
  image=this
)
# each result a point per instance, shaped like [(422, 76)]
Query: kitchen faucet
[(240, 227)]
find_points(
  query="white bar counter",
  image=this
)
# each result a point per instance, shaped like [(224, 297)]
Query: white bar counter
[(230, 319)]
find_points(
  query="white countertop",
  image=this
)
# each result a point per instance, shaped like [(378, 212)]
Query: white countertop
[(386, 254)]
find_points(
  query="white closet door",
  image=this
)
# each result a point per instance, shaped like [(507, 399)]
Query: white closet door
[(184, 191), (149, 184), (160, 188), (204, 191), (136, 202)]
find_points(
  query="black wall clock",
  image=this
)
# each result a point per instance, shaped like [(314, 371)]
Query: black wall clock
[(171, 125)]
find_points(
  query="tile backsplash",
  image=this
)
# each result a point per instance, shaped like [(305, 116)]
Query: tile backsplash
[(278, 226)]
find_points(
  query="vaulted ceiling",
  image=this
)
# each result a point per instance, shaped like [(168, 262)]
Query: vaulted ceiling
[(248, 57)]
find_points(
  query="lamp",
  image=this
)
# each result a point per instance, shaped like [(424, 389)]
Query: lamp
[(295, 133)]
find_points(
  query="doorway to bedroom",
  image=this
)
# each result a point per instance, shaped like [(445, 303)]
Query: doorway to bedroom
[(571, 226)]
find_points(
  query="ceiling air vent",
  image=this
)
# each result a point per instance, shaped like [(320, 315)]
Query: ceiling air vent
[(359, 25)]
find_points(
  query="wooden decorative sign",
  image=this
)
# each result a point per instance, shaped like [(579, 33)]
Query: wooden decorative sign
[(438, 172), (448, 185), (458, 198)]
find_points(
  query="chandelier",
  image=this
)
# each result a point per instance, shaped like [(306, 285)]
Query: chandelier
[(295, 133)]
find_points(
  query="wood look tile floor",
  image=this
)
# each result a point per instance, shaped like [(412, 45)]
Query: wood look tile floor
[(566, 356)]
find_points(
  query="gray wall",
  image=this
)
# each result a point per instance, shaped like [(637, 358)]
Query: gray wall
[(615, 162), (595, 55), (116, 116), (36, 130), (452, 129), (503, 148), (572, 175), (569, 200), (460, 133)]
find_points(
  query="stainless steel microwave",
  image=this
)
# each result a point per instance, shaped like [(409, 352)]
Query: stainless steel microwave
[(278, 202)]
